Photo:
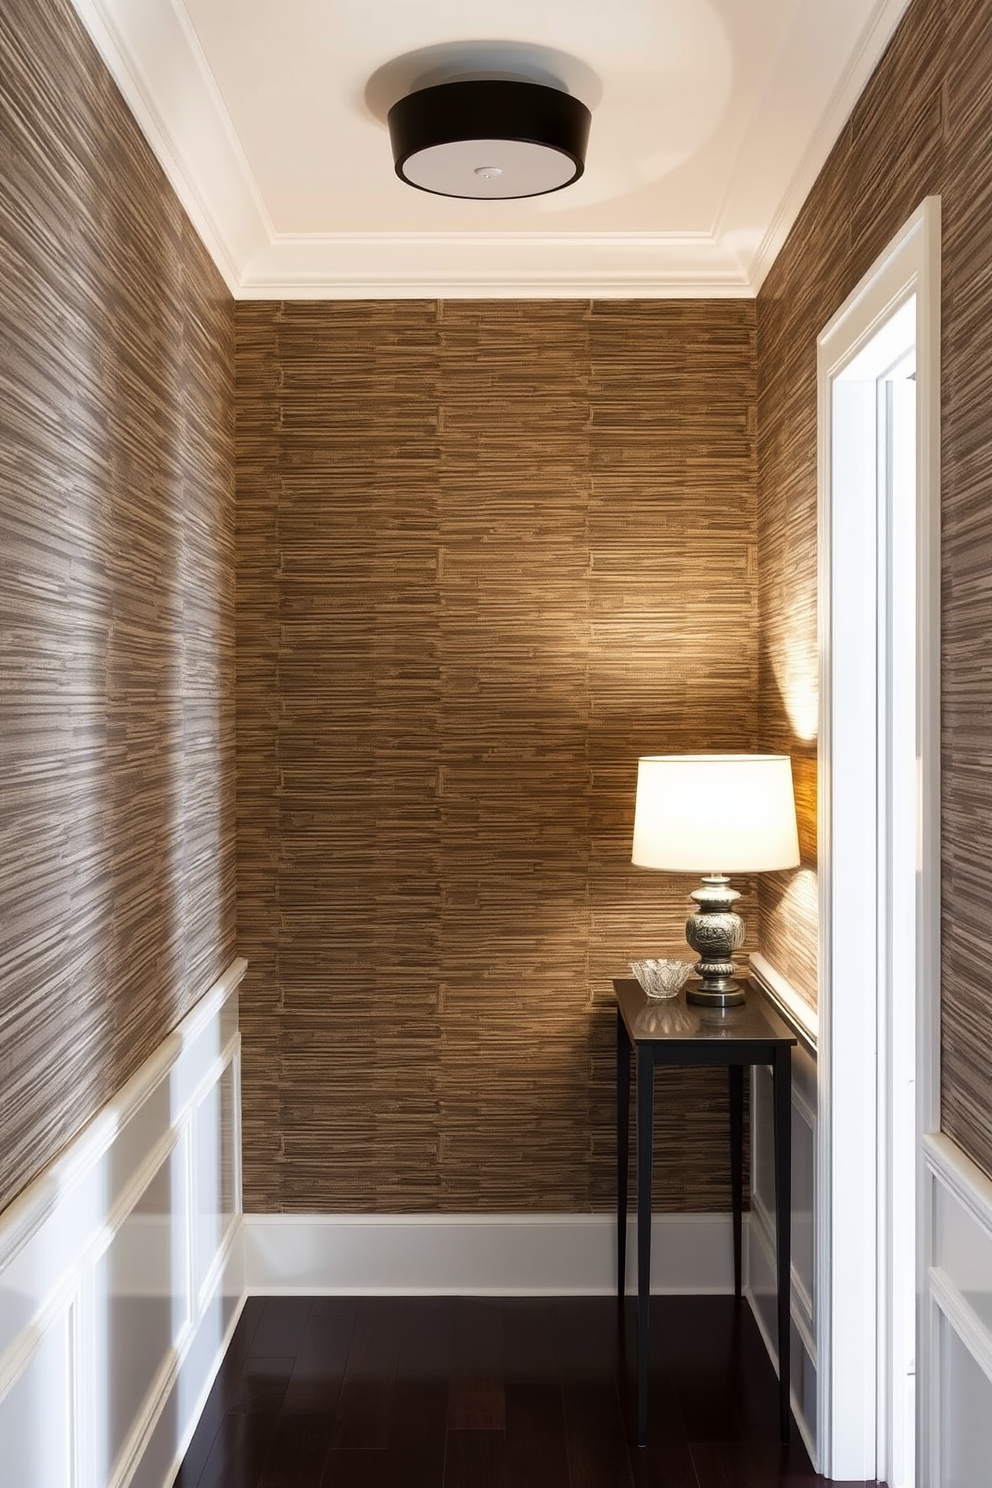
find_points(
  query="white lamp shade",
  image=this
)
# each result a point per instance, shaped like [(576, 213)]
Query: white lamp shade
[(715, 813)]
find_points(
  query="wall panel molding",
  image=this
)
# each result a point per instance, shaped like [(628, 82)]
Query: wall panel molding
[(957, 1318), (122, 1271), (760, 1272)]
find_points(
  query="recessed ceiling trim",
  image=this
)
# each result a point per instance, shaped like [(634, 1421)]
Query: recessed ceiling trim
[(153, 54)]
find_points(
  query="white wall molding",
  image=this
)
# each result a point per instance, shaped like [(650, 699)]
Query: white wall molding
[(474, 1255), (22, 1218), (955, 1170), (761, 1280), (165, 1429), (122, 1271), (972, 1330), (955, 1373), (762, 1229), (801, 1018), (761, 1297)]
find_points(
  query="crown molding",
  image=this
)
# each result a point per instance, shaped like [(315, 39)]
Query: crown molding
[(493, 266), (153, 55), (876, 36)]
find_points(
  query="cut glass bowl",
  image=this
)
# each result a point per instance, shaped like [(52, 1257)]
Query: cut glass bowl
[(662, 979)]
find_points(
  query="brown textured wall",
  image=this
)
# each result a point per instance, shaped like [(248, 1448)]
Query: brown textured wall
[(476, 557), (923, 126), (116, 595)]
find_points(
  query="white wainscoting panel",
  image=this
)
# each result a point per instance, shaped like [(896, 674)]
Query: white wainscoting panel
[(122, 1274), (957, 1327), (760, 1274), (36, 1439), (477, 1255)]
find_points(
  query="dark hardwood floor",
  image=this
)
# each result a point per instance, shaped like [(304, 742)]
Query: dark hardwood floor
[(464, 1392)]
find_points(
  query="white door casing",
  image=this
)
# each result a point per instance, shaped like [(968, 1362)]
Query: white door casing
[(879, 593)]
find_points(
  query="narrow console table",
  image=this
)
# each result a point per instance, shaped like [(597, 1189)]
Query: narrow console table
[(675, 1033)]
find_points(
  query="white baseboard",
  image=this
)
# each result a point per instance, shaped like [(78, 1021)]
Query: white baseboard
[(477, 1255)]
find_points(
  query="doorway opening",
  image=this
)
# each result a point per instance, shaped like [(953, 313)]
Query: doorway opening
[(879, 867)]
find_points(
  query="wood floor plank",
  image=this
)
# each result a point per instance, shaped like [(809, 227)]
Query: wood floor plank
[(427, 1337), (536, 1449), (315, 1383), (702, 1350), (364, 1415), (240, 1450), (476, 1402), (244, 1334), (475, 1459), (598, 1455), (476, 1396), (479, 1342), (666, 1461), (723, 1464), (530, 1340), (298, 1452), (444, 1392), (261, 1386), (420, 1433), (281, 1326), (591, 1337)]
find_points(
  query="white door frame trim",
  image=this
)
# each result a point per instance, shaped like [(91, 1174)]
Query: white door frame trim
[(851, 1437)]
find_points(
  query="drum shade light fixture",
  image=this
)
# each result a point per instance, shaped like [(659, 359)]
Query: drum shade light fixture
[(489, 138)]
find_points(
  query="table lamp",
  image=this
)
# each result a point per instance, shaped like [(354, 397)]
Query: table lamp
[(715, 814)]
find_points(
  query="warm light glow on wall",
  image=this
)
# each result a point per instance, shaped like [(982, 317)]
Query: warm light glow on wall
[(794, 662), (801, 895)]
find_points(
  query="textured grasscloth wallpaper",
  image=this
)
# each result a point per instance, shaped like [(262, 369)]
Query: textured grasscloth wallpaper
[(488, 554), (116, 595), (923, 125)]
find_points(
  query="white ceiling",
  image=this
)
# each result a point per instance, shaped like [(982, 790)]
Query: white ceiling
[(711, 119)]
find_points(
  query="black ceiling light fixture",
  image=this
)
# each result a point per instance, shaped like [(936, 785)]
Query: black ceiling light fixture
[(489, 138)]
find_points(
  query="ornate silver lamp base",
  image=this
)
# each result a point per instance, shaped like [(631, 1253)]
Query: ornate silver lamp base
[(715, 932)]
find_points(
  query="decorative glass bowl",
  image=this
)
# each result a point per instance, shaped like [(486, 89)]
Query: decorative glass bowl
[(662, 979)]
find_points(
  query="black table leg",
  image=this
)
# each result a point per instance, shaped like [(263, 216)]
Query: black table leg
[(623, 1149), (736, 1072), (645, 1146), (782, 1079)]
